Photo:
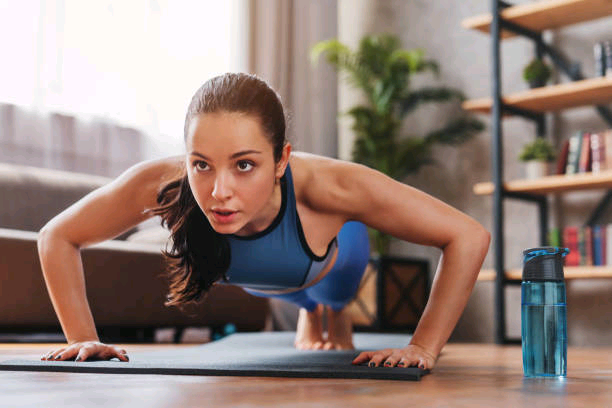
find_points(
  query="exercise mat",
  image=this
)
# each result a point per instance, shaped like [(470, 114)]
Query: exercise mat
[(262, 354)]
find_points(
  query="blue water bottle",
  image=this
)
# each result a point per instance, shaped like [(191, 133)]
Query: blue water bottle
[(544, 313)]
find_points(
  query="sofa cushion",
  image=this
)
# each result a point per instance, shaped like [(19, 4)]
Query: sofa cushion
[(31, 196)]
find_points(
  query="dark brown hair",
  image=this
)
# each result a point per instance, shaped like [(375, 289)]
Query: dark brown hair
[(200, 256)]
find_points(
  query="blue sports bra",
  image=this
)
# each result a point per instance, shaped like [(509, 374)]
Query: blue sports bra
[(279, 256)]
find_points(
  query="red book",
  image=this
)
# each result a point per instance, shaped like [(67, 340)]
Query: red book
[(584, 163), (570, 241), (562, 159)]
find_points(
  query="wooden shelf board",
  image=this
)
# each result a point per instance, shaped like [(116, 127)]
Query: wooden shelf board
[(544, 15), (552, 184), (592, 91), (571, 272)]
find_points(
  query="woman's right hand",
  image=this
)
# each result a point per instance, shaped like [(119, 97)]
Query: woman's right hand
[(81, 351)]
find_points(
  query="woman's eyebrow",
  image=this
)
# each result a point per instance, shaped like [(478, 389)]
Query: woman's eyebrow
[(233, 156)]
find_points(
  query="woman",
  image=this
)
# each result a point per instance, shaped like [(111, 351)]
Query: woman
[(244, 209)]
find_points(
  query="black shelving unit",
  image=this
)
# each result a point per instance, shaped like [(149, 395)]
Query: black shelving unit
[(573, 71)]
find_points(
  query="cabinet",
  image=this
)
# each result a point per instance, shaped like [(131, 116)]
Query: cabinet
[(530, 20)]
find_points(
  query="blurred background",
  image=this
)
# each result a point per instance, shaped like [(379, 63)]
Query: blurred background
[(95, 87)]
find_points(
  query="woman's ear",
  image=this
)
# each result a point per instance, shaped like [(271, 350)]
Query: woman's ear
[(284, 160)]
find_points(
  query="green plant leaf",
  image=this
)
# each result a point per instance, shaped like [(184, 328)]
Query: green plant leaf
[(410, 154), (540, 149), (456, 131), (335, 50), (428, 95)]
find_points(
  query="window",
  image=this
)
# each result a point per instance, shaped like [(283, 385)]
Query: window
[(136, 63)]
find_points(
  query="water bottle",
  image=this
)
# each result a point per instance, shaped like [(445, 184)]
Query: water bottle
[(544, 313)]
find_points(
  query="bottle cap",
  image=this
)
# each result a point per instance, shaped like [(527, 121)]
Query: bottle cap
[(543, 263)]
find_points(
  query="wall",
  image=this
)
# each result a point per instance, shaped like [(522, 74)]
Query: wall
[(463, 56)]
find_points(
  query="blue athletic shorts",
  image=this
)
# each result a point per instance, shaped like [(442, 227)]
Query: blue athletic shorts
[(339, 286)]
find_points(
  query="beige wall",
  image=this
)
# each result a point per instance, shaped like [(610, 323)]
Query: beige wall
[(464, 61)]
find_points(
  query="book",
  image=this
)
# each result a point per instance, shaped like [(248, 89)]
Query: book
[(600, 62), (570, 241), (562, 159), (607, 49), (588, 245), (598, 152), (573, 155), (603, 244), (584, 162), (607, 141), (608, 244), (597, 245), (554, 237)]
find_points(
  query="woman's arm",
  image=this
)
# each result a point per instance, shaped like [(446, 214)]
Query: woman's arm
[(100, 215), (366, 195)]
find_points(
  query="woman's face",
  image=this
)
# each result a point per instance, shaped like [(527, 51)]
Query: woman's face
[(231, 171)]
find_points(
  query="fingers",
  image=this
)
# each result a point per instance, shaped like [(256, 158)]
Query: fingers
[(82, 352), (375, 358), (395, 358), (122, 355), (363, 357), (52, 355)]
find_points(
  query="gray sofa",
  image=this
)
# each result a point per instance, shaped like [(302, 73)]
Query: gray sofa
[(124, 277)]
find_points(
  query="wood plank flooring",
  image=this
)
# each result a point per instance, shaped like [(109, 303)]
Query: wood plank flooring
[(466, 375)]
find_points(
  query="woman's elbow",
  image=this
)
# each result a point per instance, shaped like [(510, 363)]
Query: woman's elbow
[(475, 235), (481, 238)]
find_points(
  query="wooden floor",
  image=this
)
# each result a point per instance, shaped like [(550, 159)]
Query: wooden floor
[(466, 375)]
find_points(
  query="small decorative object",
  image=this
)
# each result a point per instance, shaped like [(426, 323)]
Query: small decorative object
[(537, 155), (537, 73)]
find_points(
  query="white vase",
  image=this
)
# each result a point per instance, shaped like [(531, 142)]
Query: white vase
[(536, 169)]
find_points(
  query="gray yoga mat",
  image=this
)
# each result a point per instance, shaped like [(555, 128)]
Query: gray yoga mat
[(263, 354)]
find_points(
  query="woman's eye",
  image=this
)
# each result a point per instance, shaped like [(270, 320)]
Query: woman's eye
[(199, 165), (244, 165)]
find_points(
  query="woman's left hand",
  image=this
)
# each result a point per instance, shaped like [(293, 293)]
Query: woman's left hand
[(409, 356)]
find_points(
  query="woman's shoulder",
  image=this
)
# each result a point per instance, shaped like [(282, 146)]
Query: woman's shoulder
[(304, 168), (317, 178), (163, 169), (152, 174)]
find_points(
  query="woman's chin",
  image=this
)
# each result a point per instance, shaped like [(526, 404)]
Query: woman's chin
[(225, 229)]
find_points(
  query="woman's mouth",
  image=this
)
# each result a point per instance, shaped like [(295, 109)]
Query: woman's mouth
[(224, 217)]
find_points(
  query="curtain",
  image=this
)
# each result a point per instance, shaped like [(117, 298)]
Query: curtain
[(97, 86), (65, 142), (281, 35)]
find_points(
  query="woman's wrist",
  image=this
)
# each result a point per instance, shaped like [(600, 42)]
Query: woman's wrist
[(426, 350)]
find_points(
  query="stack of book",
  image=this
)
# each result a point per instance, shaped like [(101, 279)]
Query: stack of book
[(589, 246), (586, 152), (603, 58)]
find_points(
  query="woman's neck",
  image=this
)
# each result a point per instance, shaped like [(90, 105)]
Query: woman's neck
[(265, 217)]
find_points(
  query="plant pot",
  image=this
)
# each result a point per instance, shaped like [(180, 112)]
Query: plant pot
[(392, 294), (536, 83), (536, 169)]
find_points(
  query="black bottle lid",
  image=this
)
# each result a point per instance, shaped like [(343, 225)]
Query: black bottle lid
[(543, 264)]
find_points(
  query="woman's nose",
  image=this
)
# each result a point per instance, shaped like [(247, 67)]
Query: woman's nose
[(222, 189)]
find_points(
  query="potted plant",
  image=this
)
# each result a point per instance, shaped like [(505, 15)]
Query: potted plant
[(382, 70), (537, 155), (537, 73)]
